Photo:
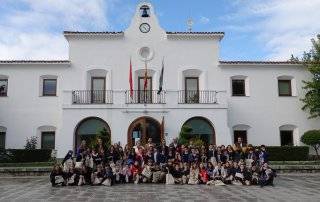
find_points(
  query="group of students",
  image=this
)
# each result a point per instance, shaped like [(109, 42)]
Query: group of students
[(238, 164)]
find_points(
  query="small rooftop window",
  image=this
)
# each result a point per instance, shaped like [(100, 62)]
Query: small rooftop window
[(145, 11)]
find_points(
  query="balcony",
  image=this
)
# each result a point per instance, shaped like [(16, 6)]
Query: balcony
[(120, 99), (197, 97), (145, 97), (92, 97)]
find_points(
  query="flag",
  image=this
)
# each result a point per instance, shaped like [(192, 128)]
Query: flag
[(162, 135), (145, 86), (130, 80), (161, 78)]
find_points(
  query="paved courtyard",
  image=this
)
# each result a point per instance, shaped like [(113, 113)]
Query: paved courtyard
[(288, 187)]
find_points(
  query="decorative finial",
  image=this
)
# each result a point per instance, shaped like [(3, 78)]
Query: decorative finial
[(190, 24)]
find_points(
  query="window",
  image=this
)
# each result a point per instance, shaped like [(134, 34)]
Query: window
[(192, 89), (3, 87), (284, 87), (144, 95), (49, 87), (98, 87), (286, 137), (47, 140), (240, 134), (2, 140), (238, 87)]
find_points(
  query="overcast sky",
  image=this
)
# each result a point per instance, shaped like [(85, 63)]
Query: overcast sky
[(255, 29)]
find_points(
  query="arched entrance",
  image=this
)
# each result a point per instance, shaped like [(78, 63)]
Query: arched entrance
[(144, 128), (201, 127), (88, 128)]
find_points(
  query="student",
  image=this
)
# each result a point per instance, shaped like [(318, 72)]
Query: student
[(185, 155), (194, 174), (211, 154), (67, 157), (136, 171), (146, 173), (117, 174), (230, 153), (266, 175), (96, 157), (81, 150), (108, 176), (242, 175), (203, 175), (162, 158), (254, 175), (185, 173), (227, 175), (177, 174), (210, 170), (70, 176), (97, 177), (126, 175), (177, 158), (218, 172), (131, 157), (81, 174), (56, 176), (263, 155), (250, 158), (157, 174)]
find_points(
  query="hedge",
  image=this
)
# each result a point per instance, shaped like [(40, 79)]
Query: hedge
[(23, 155), (288, 153)]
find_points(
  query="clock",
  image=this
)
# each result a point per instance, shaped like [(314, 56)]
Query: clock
[(145, 27)]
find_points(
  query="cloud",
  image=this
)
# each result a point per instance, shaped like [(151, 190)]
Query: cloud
[(204, 20), (32, 29), (284, 27)]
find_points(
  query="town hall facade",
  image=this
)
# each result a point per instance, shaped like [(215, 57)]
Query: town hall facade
[(64, 101)]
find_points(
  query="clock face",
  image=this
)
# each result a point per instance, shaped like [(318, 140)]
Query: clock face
[(144, 28)]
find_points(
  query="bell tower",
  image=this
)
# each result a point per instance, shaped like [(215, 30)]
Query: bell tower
[(144, 23)]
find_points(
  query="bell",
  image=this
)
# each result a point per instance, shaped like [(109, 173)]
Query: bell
[(145, 13)]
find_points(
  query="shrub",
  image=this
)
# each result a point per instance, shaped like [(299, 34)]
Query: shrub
[(288, 153), (312, 138), (31, 143), (25, 155)]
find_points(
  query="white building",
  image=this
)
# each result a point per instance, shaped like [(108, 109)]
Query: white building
[(62, 102)]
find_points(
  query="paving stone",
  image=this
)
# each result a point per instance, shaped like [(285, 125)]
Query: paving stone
[(288, 187)]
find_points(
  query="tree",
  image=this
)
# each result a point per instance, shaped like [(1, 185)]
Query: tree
[(184, 135), (311, 60), (312, 138)]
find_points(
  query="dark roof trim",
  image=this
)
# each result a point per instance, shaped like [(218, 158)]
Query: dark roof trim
[(91, 33), (260, 62), (35, 62), (205, 33)]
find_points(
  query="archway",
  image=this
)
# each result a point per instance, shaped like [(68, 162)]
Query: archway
[(201, 127), (144, 128), (88, 128)]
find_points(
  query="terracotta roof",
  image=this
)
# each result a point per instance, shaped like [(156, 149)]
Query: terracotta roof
[(259, 62), (206, 33), (34, 61), (91, 33)]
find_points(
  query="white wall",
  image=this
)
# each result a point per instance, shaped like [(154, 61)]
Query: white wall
[(264, 111), (24, 110)]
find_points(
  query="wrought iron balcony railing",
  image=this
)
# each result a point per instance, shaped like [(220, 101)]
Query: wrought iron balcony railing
[(197, 97), (92, 97), (145, 97)]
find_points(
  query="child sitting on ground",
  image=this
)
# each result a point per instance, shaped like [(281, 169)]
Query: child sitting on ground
[(97, 176), (56, 176)]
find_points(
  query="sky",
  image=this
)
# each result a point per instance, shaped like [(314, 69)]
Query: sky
[(254, 29)]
